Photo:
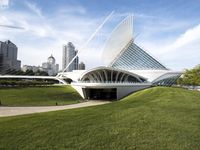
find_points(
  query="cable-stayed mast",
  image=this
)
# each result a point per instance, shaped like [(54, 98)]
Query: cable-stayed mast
[(91, 37)]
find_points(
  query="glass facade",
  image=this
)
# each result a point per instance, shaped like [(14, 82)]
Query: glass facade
[(167, 81), (104, 75), (69, 52), (135, 58)]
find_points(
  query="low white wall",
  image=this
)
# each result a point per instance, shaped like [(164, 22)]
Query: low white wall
[(122, 89), (79, 90)]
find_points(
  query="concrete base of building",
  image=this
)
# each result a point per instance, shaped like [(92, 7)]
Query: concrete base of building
[(108, 91)]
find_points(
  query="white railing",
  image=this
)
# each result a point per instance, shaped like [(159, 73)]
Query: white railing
[(111, 82)]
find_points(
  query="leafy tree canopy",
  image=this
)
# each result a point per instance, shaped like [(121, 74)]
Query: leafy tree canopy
[(191, 77)]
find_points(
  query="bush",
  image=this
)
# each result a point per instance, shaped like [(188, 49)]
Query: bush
[(24, 83), (190, 77)]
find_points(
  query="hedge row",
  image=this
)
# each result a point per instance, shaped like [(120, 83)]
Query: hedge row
[(10, 83)]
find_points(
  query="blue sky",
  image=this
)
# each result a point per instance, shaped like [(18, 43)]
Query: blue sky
[(167, 29)]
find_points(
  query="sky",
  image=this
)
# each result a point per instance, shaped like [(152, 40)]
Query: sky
[(169, 30)]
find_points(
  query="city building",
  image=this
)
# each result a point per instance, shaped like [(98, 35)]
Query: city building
[(28, 67), (128, 68), (81, 66), (69, 52), (8, 57), (50, 66), (76, 61)]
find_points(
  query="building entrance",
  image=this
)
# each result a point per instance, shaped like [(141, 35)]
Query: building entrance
[(101, 94)]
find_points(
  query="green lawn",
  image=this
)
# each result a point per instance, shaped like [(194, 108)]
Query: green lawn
[(39, 96), (156, 118)]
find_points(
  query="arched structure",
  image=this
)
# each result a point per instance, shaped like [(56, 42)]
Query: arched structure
[(129, 68), (106, 74)]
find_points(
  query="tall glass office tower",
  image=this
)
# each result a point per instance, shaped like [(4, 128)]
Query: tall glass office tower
[(69, 53), (8, 57)]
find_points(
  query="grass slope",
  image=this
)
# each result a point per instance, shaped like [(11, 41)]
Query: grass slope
[(39, 96), (156, 118)]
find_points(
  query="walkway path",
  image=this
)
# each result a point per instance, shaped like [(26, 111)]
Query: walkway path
[(14, 111)]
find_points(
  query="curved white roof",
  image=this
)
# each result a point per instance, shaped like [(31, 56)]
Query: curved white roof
[(112, 69), (119, 38)]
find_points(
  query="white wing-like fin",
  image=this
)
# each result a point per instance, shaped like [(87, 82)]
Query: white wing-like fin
[(119, 38)]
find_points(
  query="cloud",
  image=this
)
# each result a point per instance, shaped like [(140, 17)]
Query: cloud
[(181, 52), (4, 4), (12, 27), (4, 20), (32, 6), (44, 34), (185, 51), (190, 36), (72, 9)]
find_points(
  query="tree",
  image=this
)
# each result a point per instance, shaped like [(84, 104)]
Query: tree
[(191, 77), (29, 72), (41, 73)]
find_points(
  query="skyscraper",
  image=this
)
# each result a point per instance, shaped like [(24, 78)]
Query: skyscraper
[(81, 66), (69, 53), (8, 57)]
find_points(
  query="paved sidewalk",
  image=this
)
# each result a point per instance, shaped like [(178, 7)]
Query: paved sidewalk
[(14, 111)]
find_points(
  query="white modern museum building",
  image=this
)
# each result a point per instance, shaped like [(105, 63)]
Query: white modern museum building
[(128, 68)]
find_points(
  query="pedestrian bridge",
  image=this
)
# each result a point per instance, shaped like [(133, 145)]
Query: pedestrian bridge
[(61, 80)]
